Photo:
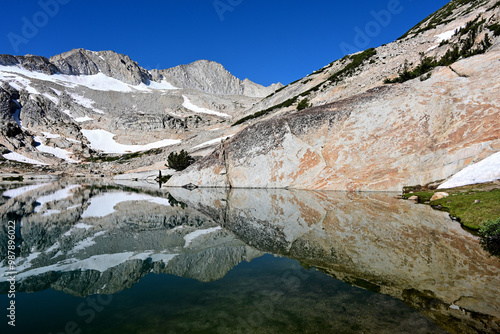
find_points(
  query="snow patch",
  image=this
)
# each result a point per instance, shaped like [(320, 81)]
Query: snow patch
[(98, 81), (53, 247), (83, 226), (153, 85), (188, 105), (77, 119), (444, 37), (87, 242), (213, 141), (193, 235), (58, 92), (103, 205), (56, 151), (21, 158), (56, 196), (50, 135), (52, 98), (83, 119), (486, 170), (13, 193), (85, 102), (102, 140), (17, 82), (17, 76)]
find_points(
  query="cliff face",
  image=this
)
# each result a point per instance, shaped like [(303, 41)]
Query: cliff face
[(364, 134), (386, 138), (360, 133), (112, 64)]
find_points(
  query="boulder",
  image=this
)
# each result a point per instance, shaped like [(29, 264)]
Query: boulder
[(439, 195)]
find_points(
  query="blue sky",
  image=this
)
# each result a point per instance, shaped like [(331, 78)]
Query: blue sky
[(264, 40)]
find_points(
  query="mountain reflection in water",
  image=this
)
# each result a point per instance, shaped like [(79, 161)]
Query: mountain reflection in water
[(174, 260)]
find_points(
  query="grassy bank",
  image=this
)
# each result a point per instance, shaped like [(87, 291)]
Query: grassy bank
[(471, 205)]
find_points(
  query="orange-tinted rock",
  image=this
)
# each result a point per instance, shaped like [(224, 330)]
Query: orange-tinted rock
[(384, 139)]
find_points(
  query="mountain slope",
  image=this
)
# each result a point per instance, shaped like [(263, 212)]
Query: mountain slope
[(81, 106), (211, 77), (366, 135)]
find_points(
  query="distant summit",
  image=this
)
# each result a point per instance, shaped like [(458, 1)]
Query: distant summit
[(203, 75), (211, 77)]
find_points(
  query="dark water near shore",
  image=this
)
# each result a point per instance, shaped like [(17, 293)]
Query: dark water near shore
[(107, 258)]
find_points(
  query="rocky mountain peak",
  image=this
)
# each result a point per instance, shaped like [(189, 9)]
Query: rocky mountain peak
[(202, 75), (211, 77), (112, 64), (30, 62)]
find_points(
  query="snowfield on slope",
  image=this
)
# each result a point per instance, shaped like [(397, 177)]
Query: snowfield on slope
[(486, 170), (56, 151), (189, 105), (213, 141), (18, 75), (13, 156), (102, 140)]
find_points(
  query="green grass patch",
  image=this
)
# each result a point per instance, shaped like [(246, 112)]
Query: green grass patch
[(261, 113), (490, 228), (461, 203), (490, 236), (463, 49), (356, 61), (303, 104), (423, 196), (442, 16), (495, 28), (314, 89)]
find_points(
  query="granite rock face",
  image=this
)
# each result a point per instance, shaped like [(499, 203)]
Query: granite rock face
[(112, 64), (362, 134), (30, 62), (383, 139)]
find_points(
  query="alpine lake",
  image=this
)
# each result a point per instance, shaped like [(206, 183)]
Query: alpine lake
[(130, 257)]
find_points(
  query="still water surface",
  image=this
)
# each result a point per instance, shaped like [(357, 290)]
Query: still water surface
[(109, 258)]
